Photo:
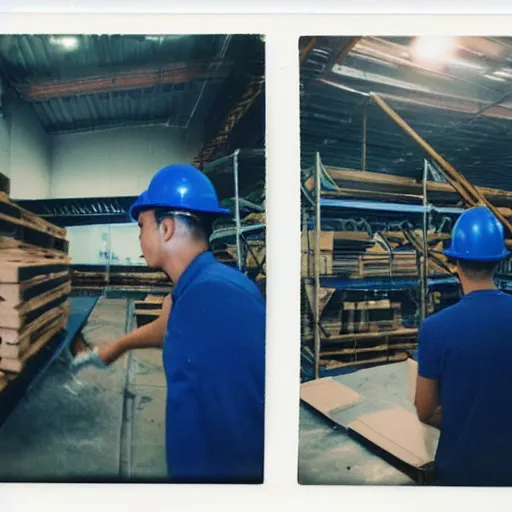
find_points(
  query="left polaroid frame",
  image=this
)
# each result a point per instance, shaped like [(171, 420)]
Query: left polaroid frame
[(132, 247)]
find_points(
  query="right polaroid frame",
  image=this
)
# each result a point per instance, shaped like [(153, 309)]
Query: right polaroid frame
[(400, 138)]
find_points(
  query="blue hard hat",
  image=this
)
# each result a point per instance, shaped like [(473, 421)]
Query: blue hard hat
[(478, 236), (180, 187)]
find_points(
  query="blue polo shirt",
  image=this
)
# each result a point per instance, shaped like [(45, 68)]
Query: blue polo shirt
[(467, 348), (214, 361)]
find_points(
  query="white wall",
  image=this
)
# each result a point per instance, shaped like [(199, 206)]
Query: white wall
[(117, 162), (30, 153), (90, 244)]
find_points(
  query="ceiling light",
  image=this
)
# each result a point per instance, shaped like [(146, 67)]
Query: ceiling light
[(504, 74), (433, 48), (496, 78)]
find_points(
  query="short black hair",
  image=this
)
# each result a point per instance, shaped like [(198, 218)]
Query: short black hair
[(199, 225), (479, 269)]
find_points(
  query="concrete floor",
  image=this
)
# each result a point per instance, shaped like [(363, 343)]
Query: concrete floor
[(328, 455), (99, 425)]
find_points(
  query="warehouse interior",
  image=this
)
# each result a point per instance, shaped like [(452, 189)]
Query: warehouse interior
[(85, 122), (399, 136)]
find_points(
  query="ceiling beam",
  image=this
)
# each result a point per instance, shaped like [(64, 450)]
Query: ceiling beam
[(140, 78), (211, 148)]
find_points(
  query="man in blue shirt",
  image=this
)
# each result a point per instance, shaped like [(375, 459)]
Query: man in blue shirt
[(464, 362), (213, 340)]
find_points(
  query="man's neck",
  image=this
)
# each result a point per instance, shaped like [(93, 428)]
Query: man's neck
[(178, 263), (476, 286)]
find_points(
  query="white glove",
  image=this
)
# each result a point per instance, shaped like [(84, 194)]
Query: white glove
[(87, 358)]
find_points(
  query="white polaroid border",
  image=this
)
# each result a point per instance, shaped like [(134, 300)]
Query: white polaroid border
[(281, 490)]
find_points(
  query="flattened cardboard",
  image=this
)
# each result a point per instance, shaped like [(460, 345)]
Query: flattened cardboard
[(327, 395), (400, 433), (412, 375)]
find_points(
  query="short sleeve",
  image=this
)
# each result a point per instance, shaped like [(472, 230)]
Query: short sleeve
[(429, 353)]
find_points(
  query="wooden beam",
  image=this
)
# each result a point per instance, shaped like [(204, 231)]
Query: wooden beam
[(251, 93), (307, 50), (468, 192), (139, 78)]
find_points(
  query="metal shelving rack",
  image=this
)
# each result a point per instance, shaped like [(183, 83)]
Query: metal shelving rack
[(217, 170), (424, 282)]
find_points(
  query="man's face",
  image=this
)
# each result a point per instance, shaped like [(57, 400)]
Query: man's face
[(150, 238)]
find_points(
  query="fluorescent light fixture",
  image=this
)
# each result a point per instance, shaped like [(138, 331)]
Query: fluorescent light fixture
[(435, 48), (504, 74), (496, 78)]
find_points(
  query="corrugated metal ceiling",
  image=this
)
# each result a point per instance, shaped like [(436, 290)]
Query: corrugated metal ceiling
[(113, 80), (462, 107)]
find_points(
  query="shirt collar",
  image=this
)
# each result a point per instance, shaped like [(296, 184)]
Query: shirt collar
[(196, 266)]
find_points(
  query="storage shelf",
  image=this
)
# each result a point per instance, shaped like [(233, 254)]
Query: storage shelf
[(389, 207), (380, 283)]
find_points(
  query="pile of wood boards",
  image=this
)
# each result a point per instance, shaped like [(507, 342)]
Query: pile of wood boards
[(357, 332), (118, 276), (148, 309), (35, 285), (356, 255), (377, 186)]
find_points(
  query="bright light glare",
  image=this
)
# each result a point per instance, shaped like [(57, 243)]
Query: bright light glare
[(70, 43), (433, 48), (66, 42)]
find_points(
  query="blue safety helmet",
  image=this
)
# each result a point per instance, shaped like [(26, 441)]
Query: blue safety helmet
[(179, 187), (478, 236)]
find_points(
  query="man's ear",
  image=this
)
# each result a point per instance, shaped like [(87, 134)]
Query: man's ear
[(167, 228)]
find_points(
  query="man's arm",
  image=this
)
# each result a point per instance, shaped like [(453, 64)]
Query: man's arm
[(147, 336), (427, 401), (430, 356)]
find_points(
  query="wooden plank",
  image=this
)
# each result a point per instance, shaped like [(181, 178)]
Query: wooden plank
[(32, 219), (368, 350), (375, 185), (26, 232), (15, 318), (13, 342), (16, 365), (12, 245), (14, 271), (15, 294), (372, 335), (390, 358)]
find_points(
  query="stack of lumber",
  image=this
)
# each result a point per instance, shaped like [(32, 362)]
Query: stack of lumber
[(148, 309), (377, 186), (119, 276), (356, 255), (34, 286), (357, 332)]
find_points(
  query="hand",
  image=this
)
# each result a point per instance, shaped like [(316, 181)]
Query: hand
[(109, 352), (87, 358)]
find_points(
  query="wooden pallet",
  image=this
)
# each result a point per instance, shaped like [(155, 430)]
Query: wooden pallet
[(15, 294), (16, 269), (44, 336), (20, 316), (148, 309), (13, 342)]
